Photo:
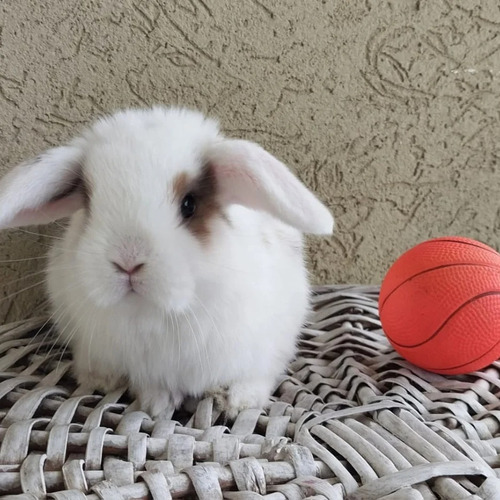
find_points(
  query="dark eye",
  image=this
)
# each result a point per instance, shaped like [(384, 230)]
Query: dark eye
[(188, 206)]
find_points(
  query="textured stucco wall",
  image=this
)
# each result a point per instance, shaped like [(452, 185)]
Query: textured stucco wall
[(389, 110)]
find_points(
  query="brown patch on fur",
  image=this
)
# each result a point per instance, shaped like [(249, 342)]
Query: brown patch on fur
[(86, 191), (81, 185), (204, 190), (181, 186)]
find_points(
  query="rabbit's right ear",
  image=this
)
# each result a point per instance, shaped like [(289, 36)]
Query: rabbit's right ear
[(43, 189), (248, 175)]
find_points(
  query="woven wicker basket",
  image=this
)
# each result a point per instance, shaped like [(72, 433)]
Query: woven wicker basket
[(351, 420)]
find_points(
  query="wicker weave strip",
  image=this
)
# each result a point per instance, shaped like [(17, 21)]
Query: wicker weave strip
[(351, 419)]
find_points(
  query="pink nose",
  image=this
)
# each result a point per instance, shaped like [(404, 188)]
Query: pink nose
[(128, 269)]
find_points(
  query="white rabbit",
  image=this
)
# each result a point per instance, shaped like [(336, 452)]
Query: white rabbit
[(181, 272)]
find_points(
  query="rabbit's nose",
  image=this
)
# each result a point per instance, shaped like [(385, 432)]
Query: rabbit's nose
[(128, 268)]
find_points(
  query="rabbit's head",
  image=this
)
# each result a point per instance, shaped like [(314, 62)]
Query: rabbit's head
[(148, 191)]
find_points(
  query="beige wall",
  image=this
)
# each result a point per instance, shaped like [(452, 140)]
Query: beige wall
[(389, 110)]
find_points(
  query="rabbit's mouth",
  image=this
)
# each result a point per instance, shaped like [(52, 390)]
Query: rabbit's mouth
[(176, 299), (131, 284)]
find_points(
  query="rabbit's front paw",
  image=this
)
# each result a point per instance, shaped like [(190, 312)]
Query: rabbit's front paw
[(158, 403), (100, 381), (241, 396)]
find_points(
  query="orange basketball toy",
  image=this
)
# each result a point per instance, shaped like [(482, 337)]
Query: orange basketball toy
[(440, 305)]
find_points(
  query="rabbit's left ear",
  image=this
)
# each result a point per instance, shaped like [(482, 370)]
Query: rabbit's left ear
[(43, 189), (248, 175)]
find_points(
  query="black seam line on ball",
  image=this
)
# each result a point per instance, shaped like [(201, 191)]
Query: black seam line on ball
[(451, 240), (441, 371), (465, 304), (463, 364), (489, 266)]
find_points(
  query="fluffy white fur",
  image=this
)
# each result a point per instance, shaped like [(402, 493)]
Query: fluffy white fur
[(220, 317)]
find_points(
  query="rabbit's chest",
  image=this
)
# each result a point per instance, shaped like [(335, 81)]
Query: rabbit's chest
[(182, 362)]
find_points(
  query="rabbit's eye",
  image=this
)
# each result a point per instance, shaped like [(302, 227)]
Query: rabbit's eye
[(188, 206)]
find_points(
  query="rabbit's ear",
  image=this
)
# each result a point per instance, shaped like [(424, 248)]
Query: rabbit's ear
[(248, 175), (43, 189)]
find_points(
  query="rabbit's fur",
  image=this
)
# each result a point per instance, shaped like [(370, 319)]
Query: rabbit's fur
[(173, 305)]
